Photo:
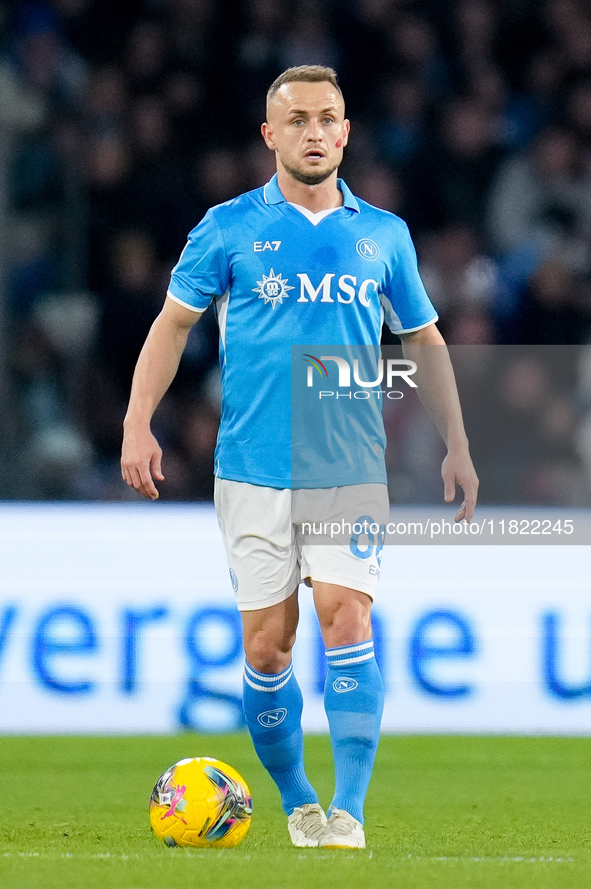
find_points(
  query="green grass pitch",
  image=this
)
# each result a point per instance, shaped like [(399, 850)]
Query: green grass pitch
[(479, 812)]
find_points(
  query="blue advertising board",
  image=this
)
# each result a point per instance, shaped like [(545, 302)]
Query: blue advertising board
[(120, 618)]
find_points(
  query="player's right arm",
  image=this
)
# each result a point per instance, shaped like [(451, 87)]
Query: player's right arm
[(141, 457)]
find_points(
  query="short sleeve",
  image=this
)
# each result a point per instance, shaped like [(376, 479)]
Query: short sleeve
[(202, 271), (406, 304)]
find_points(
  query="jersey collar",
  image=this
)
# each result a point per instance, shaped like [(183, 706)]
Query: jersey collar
[(272, 194)]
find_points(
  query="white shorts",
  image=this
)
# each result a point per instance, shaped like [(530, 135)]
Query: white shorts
[(269, 557)]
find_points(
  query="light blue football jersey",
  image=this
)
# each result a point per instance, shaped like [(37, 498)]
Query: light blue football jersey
[(280, 281)]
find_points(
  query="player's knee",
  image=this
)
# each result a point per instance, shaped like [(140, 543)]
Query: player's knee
[(347, 623), (266, 653)]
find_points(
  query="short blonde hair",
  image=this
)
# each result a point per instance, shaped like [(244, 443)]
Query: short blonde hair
[(304, 74)]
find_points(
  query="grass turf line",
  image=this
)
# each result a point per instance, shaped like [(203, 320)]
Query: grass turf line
[(478, 812)]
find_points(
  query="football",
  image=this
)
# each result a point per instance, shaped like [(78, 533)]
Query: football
[(200, 802)]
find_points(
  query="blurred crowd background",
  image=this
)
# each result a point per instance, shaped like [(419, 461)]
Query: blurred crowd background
[(122, 122)]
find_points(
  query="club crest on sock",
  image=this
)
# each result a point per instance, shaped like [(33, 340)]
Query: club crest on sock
[(344, 684), (272, 718)]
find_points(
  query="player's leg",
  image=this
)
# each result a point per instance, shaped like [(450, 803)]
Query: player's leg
[(272, 703), (344, 573), (354, 701), (256, 526)]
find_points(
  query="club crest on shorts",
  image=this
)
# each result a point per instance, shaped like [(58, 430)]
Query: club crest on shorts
[(344, 684), (234, 580), (271, 718)]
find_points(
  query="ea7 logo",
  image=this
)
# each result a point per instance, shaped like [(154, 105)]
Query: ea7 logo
[(261, 246), (271, 718), (344, 684)]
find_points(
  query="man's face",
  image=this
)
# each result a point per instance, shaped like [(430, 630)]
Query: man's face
[(306, 128)]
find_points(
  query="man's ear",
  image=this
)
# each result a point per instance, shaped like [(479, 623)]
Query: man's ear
[(347, 126), (267, 131)]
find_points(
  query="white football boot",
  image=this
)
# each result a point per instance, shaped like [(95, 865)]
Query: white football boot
[(343, 832), (307, 825)]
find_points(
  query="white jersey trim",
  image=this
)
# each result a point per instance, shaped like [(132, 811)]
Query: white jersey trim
[(420, 327), (314, 218), (222, 308), (183, 303), (393, 320)]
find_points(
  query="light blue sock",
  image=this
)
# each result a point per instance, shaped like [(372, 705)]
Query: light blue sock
[(273, 710), (354, 701)]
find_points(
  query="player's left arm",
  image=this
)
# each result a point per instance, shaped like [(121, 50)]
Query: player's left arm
[(438, 392)]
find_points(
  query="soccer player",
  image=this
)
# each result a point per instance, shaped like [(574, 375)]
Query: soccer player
[(298, 261)]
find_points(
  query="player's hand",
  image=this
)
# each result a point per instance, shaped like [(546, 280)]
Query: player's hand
[(458, 469), (141, 461)]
